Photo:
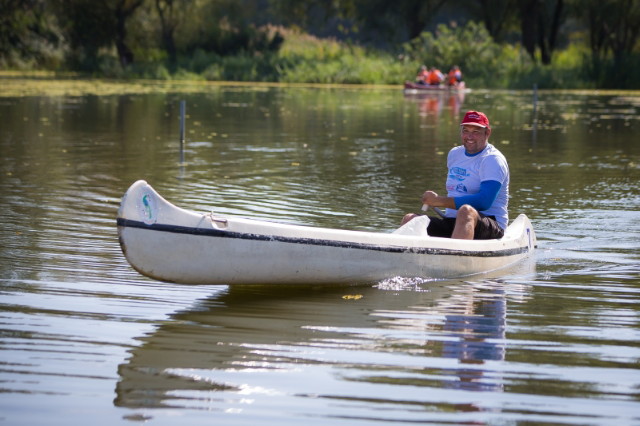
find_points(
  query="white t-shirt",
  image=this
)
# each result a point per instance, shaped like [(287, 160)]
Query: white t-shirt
[(466, 172)]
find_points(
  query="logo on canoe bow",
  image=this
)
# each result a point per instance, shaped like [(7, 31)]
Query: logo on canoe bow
[(147, 209)]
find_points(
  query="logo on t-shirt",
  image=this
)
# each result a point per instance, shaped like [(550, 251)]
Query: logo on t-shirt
[(458, 173), (461, 188)]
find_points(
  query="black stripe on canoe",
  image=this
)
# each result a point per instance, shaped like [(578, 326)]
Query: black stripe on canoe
[(316, 242)]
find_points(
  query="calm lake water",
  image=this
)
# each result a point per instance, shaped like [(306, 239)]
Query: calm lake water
[(84, 338)]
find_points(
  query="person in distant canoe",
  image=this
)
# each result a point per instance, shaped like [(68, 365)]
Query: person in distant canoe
[(423, 73), (477, 187), (435, 77), (455, 76)]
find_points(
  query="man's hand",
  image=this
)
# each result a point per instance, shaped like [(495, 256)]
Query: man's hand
[(432, 199)]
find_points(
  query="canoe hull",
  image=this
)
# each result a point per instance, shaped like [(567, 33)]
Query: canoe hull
[(411, 86), (167, 243)]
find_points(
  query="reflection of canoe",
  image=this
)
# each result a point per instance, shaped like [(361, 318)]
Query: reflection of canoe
[(167, 243), (416, 87), (249, 337)]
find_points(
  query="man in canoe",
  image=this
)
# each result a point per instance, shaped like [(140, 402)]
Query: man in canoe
[(423, 73), (435, 77), (455, 76), (477, 187)]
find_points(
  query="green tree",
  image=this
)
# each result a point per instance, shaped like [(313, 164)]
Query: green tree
[(95, 24), (400, 21), (122, 11), (171, 15), (498, 16), (614, 26), (471, 47), (540, 23), (29, 34), (411, 15)]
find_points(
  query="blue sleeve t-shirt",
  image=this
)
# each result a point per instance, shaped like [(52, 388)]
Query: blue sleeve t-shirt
[(467, 172)]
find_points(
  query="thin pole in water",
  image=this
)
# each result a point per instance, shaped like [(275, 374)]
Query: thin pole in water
[(183, 111), (534, 126)]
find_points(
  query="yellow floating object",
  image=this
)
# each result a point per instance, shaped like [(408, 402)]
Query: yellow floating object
[(352, 296)]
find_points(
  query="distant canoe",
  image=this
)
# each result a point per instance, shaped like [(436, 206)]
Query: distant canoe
[(412, 86), (167, 243)]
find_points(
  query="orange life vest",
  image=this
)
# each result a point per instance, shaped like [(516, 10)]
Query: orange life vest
[(434, 77), (455, 76)]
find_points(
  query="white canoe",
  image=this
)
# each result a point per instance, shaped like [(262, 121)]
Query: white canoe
[(167, 243)]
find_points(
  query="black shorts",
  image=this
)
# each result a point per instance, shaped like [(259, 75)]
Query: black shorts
[(486, 229)]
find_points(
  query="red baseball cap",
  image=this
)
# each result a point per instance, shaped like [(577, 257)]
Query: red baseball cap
[(475, 118)]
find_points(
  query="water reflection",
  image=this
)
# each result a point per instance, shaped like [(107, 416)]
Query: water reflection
[(358, 159), (431, 104), (478, 335), (259, 344)]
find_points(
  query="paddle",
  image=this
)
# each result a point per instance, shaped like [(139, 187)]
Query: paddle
[(425, 207)]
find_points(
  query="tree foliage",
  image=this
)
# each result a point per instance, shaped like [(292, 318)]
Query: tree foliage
[(29, 34), (498, 16), (242, 38), (613, 25), (540, 24), (472, 48)]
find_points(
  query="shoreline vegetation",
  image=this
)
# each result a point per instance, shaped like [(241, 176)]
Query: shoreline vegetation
[(51, 83), (308, 60), (203, 42)]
